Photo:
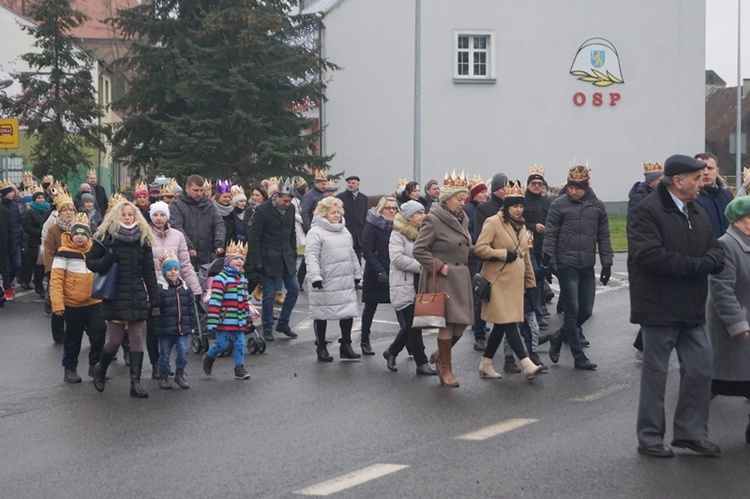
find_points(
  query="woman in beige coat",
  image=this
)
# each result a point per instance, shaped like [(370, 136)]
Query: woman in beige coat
[(444, 243), (502, 245)]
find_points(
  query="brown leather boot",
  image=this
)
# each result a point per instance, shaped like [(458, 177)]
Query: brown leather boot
[(444, 361)]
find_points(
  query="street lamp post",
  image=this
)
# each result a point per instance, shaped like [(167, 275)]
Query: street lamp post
[(738, 142)]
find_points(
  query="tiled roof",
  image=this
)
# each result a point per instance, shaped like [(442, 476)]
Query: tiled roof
[(721, 113)]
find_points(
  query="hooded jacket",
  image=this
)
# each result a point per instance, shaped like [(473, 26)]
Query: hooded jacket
[(70, 280), (330, 258), (403, 278)]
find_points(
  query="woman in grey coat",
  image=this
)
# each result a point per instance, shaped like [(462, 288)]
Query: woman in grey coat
[(728, 305), (333, 271), (403, 279)]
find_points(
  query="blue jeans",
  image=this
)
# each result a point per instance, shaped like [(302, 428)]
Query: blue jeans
[(14, 266), (578, 289), (222, 342), (269, 293), (165, 349)]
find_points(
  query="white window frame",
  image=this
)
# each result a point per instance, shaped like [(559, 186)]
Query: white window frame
[(490, 77)]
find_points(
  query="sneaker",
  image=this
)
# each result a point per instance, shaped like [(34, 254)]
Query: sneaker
[(10, 294), (71, 376), (480, 344), (241, 373)]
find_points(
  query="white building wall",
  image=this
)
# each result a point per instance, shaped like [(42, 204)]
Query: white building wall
[(528, 115)]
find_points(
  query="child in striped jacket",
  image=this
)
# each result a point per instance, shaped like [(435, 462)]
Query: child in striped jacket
[(229, 310)]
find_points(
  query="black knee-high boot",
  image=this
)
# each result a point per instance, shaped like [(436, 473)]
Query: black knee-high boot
[(345, 349), (100, 370), (319, 327), (136, 363)]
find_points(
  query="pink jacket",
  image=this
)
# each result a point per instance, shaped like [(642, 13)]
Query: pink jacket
[(174, 241)]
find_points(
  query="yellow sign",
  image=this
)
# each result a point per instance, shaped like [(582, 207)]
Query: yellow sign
[(8, 133)]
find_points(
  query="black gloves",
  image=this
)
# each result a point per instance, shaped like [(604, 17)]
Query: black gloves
[(317, 285), (511, 256), (357, 281), (546, 259), (605, 274), (701, 267), (383, 277)]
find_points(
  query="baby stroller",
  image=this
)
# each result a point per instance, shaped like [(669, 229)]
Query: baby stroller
[(199, 343)]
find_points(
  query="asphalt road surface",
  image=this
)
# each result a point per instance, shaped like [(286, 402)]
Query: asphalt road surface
[(349, 429)]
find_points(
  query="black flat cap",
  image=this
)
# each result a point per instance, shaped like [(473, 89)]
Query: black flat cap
[(681, 163), (352, 177)]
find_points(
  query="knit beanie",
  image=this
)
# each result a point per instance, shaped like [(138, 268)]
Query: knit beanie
[(80, 225), (159, 206), (738, 208), (477, 189), (86, 196), (409, 208), (498, 181), (140, 192), (169, 263), (238, 196)]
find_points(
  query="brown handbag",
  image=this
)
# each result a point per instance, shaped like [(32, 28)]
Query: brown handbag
[(429, 308)]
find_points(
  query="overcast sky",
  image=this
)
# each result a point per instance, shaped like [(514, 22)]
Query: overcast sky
[(721, 39)]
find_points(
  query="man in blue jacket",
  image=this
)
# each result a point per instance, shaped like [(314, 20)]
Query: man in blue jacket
[(714, 197)]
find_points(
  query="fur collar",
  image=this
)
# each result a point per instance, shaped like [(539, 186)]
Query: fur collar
[(402, 225)]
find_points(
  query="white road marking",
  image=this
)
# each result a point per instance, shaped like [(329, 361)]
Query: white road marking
[(597, 395), (351, 479), (496, 429)]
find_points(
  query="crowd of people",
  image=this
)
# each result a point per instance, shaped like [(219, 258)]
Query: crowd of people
[(688, 244)]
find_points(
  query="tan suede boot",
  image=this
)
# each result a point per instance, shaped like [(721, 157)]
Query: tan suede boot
[(444, 361)]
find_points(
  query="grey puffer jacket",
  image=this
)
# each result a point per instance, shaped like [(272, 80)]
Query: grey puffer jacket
[(330, 257), (201, 224), (404, 268), (574, 229)]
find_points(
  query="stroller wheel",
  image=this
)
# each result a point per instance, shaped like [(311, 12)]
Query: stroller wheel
[(196, 345), (204, 344), (252, 346), (261, 345)]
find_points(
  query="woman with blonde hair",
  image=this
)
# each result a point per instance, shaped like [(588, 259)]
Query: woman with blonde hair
[(125, 238), (442, 248), (333, 271), (375, 238), (507, 266)]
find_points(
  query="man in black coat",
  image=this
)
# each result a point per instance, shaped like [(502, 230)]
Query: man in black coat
[(535, 214), (672, 250), (100, 194), (355, 211), (273, 250), (714, 197), (431, 195)]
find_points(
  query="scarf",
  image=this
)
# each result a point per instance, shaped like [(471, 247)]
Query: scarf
[(458, 214), (281, 210), (517, 224), (40, 208), (240, 212), (224, 210), (128, 234), (65, 226)]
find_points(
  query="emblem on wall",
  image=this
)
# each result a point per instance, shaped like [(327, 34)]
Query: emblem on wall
[(598, 63)]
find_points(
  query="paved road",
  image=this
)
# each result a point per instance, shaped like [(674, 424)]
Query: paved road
[(301, 427)]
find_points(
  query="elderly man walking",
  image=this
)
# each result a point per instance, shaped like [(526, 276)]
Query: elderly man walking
[(672, 250)]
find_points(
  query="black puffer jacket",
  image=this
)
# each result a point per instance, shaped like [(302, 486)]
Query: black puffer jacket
[(375, 238), (177, 311), (32, 226), (574, 229), (135, 276), (637, 193)]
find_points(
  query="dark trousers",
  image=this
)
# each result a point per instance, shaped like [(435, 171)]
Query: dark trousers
[(76, 320), (152, 342), (496, 337), (320, 326), (29, 268), (57, 324), (408, 335), (301, 272), (577, 291)]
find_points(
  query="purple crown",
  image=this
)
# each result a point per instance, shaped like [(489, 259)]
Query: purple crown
[(223, 187)]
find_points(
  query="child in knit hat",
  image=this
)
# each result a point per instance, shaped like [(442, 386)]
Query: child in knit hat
[(176, 321), (229, 310)]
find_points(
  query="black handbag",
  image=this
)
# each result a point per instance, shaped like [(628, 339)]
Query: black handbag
[(105, 284), (481, 287)]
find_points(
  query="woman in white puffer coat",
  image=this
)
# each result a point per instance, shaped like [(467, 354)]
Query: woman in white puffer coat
[(403, 280), (333, 271)]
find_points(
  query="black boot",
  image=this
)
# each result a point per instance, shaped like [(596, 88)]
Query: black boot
[(126, 349), (365, 344), (179, 378), (208, 363), (164, 383), (100, 370), (322, 351), (346, 351), (390, 360), (71, 375), (155, 372), (747, 432), (136, 364)]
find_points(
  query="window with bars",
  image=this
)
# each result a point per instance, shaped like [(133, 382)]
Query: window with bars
[(474, 56)]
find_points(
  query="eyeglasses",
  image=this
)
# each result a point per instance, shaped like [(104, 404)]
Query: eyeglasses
[(536, 182), (390, 208)]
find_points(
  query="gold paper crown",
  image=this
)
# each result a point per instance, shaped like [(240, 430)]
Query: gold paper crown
[(401, 185), (141, 186), (28, 179), (81, 218), (91, 172), (48, 178), (537, 170), (56, 189), (166, 190), (475, 181), (652, 166), (455, 181), (331, 185), (299, 181), (529, 238), (62, 199), (579, 173), (6, 183), (237, 190), (273, 181), (168, 255), (29, 191), (207, 187), (319, 174), (237, 248), (116, 199), (514, 189)]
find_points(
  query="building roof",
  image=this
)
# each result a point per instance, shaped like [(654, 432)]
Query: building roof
[(721, 113), (713, 79), (96, 10), (318, 6)]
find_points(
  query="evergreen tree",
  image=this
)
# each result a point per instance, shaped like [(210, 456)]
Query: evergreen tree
[(58, 104), (215, 87)]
